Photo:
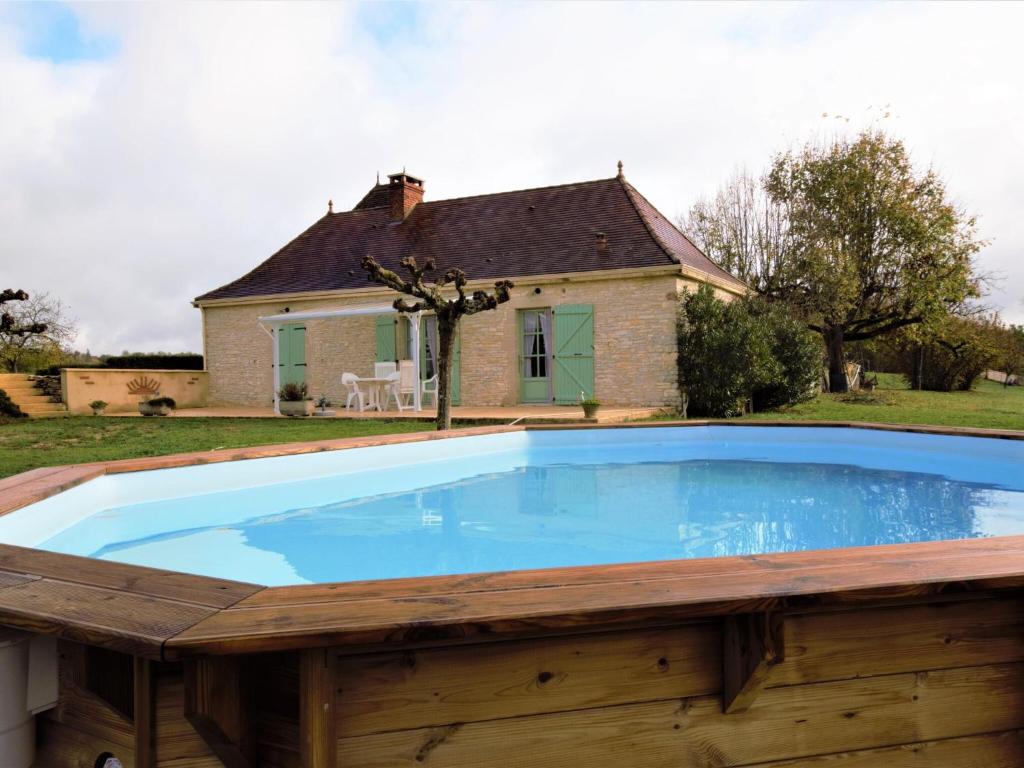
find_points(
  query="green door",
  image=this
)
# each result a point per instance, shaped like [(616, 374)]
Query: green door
[(387, 338), (291, 347), (534, 356), (573, 352)]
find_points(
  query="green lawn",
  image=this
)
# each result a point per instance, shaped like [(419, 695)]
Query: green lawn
[(29, 443), (989, 405)]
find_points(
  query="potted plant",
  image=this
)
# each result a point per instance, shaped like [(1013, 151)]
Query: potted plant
[(589, 405), (294, 401), (323, 403), (157, 406), (98, 407)]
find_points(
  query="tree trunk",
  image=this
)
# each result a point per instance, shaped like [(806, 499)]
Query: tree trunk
[(917, 380), (446, 328), (836, 360)]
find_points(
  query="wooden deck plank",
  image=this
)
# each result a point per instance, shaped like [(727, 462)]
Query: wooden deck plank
[(131, 623), (754, 565), (850, 644), (431, 687), (184, 587), (8, 579), (461, 617), (435, 686), (988, 750), (784, 724), (30, 487)]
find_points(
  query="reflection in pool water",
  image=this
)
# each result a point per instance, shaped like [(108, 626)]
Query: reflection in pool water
[(565, 514)]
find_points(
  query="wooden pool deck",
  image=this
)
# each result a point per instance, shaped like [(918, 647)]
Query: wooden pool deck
[(898, 655)]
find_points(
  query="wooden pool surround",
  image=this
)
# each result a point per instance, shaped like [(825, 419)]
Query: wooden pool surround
[(600, 665)]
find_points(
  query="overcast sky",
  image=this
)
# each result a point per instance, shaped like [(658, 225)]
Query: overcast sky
[(149, 153)]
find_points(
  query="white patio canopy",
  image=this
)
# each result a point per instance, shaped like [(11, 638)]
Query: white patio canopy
[(274, 323)]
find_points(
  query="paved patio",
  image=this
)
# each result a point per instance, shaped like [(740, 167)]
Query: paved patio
[(522, 414)]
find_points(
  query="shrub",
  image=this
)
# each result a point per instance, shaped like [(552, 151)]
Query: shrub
[(9, 408), (292, 392), (948, 356), (156, 402), (742, 351), (184, 361), (98, 404), (798, 352)]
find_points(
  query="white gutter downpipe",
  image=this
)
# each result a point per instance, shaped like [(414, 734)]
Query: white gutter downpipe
[(275, 334), (17, 726), (417, 396), (28, 685)]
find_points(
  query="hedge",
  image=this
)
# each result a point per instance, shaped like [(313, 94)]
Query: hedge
[(186, 361)]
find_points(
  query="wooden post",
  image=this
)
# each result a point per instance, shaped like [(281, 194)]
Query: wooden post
[(318, 741), (217, 706), (144, 705), (752, 644)]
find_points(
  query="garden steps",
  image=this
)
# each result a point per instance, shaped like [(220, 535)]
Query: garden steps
[(32, 400)]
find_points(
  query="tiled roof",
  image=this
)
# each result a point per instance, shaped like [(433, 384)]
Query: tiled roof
[(550, 230)]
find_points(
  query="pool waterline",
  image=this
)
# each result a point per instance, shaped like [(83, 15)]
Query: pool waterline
[(540, 499)]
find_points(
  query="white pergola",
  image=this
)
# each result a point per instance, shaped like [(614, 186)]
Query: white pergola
[(272, 324)]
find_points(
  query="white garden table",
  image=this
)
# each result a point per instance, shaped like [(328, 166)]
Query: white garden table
[(375, 390)]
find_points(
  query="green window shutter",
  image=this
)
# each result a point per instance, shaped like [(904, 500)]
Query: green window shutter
[(298, 345), (574, 352), (402, 334), (292, 353), (387, 346)]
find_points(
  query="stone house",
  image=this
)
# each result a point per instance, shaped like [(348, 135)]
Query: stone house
[(597, 270)]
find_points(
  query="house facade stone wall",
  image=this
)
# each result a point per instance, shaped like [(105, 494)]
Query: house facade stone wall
[(634, 342)]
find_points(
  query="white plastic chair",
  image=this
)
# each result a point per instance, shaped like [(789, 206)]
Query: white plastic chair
[(351, 384), (383, 370), (429, 389), (403, 384)]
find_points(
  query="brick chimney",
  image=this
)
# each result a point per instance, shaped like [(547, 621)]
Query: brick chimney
[(404, 192)]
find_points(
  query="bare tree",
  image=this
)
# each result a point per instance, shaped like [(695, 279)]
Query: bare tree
[(38, 326), (448, 311), (743, 230)]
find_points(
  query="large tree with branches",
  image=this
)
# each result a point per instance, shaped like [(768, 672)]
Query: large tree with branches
[(448, 309), (851, 236), (35, 326)]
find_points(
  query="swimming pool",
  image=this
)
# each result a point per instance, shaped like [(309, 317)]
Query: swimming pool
[(537, 499)]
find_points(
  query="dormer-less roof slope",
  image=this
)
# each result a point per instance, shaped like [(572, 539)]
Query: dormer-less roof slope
[(550, 230)]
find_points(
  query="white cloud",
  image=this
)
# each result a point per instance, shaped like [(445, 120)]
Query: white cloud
[(218, 131)]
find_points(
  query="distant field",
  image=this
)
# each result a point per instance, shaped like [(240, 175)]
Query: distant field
[(990, 405)]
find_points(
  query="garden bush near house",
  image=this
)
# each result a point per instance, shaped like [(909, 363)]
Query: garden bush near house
[(9, 409), (740, 352), (796, 350)]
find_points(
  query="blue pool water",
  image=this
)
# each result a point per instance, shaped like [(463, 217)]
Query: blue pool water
[(536, 500)]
